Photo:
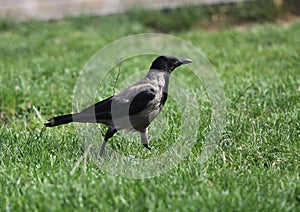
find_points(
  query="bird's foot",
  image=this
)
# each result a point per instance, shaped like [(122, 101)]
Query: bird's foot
[(147, 146)]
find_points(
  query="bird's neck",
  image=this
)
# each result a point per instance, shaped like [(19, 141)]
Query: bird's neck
[(159, 78)]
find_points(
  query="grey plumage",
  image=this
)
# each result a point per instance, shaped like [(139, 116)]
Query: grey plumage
[(133, 108)]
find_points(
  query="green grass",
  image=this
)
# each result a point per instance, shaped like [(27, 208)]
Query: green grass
[(255, 168), (215, 16)]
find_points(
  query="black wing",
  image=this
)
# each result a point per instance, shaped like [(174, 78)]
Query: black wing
[(140, 101), (102, 110)]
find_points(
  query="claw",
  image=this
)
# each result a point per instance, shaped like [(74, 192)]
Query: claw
[(147, 146)]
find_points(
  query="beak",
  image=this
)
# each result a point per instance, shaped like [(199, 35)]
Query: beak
[(184, 60)]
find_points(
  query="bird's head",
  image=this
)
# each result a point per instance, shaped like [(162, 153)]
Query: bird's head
[(168, 63)]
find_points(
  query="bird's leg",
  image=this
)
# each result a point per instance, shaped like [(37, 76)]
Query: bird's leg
[(110, 132), (144, 139)]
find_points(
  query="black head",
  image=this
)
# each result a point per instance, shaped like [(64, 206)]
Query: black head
[(168, 63)]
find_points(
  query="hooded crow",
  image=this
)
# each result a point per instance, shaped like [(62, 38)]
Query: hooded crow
[(133, 108)]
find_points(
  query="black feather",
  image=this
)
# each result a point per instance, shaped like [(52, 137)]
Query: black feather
[(163, 99), (59, 120), (140, 101), (102, 110)]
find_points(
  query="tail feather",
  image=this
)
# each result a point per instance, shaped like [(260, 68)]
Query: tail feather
[(59, 120)]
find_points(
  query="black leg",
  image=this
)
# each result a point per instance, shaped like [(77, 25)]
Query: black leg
[(147, 146), (110, 133), (144, 139)]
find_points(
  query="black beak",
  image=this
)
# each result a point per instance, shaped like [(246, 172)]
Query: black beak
[(184, 60)]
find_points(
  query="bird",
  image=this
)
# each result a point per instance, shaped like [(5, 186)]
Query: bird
[(133, 108)]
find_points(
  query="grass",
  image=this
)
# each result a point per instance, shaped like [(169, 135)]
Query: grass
[(256, 166), (215, 16)]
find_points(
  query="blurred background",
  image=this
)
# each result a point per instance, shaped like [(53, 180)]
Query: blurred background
[(54, 9), (161, 15)]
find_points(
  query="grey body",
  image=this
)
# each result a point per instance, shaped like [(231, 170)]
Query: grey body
[(133, 108), (155, 81)]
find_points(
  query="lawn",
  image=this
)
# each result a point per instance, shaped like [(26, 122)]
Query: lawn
[(256, 166)]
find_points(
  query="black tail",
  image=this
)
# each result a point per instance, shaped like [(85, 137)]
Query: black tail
[(59, 120)]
